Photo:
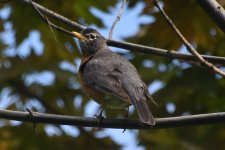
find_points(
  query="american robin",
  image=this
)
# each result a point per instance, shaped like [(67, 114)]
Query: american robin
[(109, 78)]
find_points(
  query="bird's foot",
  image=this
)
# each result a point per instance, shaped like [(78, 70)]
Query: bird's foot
[(170, 56), (126, 117), (32, 116), (100, 117)]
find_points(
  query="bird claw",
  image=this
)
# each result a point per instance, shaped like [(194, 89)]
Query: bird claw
[(100, 117), (32, 116), (126, 118), (170, 56)]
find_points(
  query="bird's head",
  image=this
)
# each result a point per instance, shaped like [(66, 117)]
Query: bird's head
[(91, 41)]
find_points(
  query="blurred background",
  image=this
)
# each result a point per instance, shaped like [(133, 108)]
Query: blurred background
[(37, 73)]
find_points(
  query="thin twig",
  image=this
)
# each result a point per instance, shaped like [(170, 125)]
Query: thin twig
[(117, 19), (33, 4), (161, 123), (130, 46), (215, 11), (189, 47), (54, 15), (51, 25)]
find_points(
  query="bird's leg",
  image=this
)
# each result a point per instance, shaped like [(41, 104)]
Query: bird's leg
[(126, 117), (100, 117), (32, 116), (127, 114), (170, 56)]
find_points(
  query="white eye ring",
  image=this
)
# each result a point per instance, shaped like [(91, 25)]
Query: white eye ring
[(92, 36)]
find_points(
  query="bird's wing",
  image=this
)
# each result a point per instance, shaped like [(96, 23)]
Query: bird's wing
[(106, 84)]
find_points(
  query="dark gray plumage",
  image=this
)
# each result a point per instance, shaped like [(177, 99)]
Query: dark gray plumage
[(111, 79)]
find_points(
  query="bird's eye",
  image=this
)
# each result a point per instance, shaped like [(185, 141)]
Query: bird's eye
[(92, 36)]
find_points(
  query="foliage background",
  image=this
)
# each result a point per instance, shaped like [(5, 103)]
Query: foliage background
[(39, 74)]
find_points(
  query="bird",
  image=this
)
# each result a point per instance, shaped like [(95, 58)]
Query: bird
[(110, 79)]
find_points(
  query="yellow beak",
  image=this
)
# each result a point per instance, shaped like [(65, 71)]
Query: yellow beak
[(79, 36)]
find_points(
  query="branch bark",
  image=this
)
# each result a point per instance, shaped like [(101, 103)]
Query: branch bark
[(215, 11), (172, 122), (131, 46)]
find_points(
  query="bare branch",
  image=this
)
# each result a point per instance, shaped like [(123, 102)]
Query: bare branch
[(164, 53), (56, 16), (44, 18), (189, 47), (215, 11), (172, 122), (51, 25), (117, 19), (131, 46)]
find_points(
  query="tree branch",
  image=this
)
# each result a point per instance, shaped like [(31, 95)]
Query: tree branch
[(117, 19), (164, 53), (215, 11), (131, 46), (172, 122), (56, 16), (188, 46)]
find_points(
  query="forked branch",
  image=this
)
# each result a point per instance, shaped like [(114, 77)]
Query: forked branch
[(131, 46)]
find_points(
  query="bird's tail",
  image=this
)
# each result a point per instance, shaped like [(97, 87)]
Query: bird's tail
[(138, 99), (144, 112)]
